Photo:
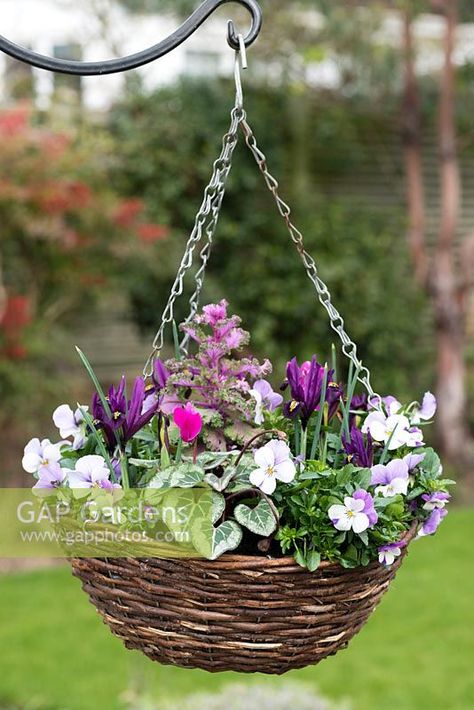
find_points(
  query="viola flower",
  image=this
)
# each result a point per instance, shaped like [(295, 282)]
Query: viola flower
[(391, 479), (265, 398), (189, 422), (52, 476), (91, 472), (413, 460), (369, 508), (359, 452), (127, 417), (306, 382), (38, 455), (350, 516), (433, 522), (274, 464), (393, 429), (389, 553), (435, 500), (72, 424), (427, 409)]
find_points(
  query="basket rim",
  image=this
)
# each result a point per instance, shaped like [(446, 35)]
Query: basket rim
[(289, 560), (230, 561)]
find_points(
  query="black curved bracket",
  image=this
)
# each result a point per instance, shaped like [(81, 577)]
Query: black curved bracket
[(133, 61)]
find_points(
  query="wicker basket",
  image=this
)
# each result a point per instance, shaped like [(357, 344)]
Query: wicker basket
[(237, 613)]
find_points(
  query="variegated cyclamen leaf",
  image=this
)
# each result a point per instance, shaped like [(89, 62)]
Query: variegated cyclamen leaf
[(140, 463), (185, 475), (220, 483), (218, 506), (212, 542), (259, 520)]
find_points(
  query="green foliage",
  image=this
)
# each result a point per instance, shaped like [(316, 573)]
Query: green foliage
[(359, 246)]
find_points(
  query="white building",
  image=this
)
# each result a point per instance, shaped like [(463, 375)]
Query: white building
[(93, 30)]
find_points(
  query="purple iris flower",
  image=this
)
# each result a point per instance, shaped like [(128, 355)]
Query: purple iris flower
[(306, 383), (359, 452), (127, 418), (433, 522), (359, 403), (369, 508)]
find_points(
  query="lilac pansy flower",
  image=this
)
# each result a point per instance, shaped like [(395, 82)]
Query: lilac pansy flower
[(50, 477), (265, 398), (350, 516), (413, 460), (427, 409), (389, 553), (433, 522), (40, 454), (391, 479), (274, 464), (72, 424), (369, 508), (392, 430), (435, 500), (91, 472)]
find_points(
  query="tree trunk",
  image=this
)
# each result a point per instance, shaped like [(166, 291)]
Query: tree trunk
[(411, 136), (452, 420)]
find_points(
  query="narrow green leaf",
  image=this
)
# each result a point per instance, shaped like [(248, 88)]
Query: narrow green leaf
[(90, 423)]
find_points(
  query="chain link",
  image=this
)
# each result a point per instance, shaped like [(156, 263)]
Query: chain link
[(206, 220), (349, 348)]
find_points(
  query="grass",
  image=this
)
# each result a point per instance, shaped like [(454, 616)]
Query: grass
[(416, 652)]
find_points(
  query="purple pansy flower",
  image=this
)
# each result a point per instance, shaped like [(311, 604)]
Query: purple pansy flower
[(265, 398), (391, 479), (389, 553), (433, 522), (359, 452), (52, 476), (368, 509), (435, 500)]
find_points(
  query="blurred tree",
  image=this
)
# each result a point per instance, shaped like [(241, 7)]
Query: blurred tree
[(176, 132), (64, 242)]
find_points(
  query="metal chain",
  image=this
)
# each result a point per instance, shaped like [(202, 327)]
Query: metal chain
[(210, 207), (349, 348), (239, 64)]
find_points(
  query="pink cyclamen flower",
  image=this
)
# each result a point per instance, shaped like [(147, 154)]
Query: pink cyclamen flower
[(189, 422)]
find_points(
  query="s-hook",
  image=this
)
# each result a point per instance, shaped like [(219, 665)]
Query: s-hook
[(133, 61)]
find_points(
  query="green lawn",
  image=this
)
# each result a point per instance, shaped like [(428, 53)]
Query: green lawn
[(416, 652)]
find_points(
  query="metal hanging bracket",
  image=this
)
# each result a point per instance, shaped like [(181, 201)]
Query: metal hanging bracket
[(133, 61)]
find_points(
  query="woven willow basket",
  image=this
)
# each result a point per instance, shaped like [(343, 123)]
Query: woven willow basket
[(246, 614)]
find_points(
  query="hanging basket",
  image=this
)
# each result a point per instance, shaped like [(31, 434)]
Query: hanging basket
[(238, 613)]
